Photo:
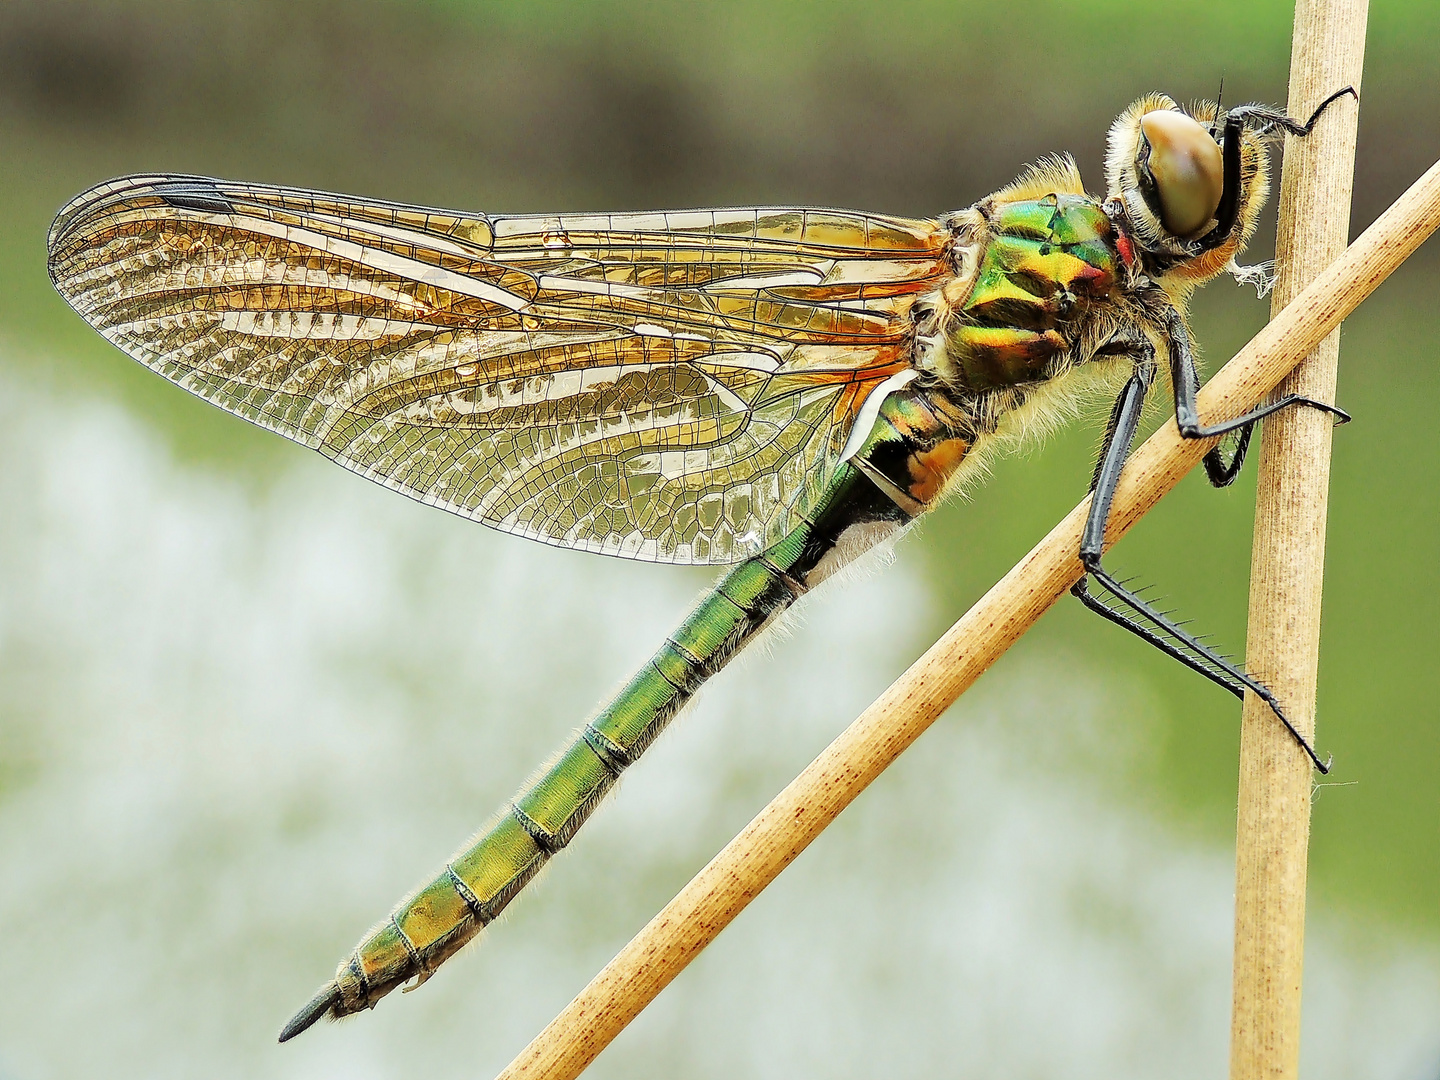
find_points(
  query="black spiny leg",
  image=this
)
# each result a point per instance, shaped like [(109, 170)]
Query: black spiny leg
[(1266, 118), (1187, 384), (1130, 611), (1222, 473), (1218, 471), (1261, 119)]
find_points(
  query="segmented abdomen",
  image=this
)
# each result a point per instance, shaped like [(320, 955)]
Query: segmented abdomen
[(478, 882), (896, 472)]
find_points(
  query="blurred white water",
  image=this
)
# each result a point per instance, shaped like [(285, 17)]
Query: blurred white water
[(235, 727)]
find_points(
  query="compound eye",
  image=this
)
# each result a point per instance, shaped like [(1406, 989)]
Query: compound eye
[(1187, 168)]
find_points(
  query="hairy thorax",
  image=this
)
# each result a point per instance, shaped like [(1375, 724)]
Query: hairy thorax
[(1011, 344)]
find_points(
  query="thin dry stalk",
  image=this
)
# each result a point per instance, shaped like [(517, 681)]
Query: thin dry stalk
[(1288, 561), (862, 751)]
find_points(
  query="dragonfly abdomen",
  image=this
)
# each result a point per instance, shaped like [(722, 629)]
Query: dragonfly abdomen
[(477, 883), (909, 441)]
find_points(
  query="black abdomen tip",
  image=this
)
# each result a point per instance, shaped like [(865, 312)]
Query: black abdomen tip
[(317, 1007)]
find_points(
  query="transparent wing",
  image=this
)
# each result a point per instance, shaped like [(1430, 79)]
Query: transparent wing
[(675, 387)]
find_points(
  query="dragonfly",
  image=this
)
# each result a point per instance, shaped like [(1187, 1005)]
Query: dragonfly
[(774, 390)]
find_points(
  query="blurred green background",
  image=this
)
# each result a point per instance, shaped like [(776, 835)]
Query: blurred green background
[(905, 108)]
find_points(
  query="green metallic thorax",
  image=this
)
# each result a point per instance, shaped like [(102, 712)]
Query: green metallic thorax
[(1046, 261)]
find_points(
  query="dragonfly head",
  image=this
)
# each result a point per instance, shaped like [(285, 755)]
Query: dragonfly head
[(1189, 183)]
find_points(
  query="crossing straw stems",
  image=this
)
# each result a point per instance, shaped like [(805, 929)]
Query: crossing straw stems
[(1287, 563), (862, 751)]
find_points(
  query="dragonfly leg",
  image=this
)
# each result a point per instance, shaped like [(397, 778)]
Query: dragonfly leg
[(1262, 119), (1222, 473), (1187, 385), (1186, 380), (1267, 118), (1123, 607)]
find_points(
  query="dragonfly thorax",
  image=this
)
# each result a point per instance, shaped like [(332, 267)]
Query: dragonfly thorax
[(1042, 261), (1039, 262)]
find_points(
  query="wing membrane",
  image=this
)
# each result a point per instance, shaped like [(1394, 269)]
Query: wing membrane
[(675, 387)]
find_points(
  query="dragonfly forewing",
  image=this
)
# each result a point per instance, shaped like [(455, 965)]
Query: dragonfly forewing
[(654, 386)]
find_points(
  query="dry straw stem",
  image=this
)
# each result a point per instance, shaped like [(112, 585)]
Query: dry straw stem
[(1288, 561), (862, 751)]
